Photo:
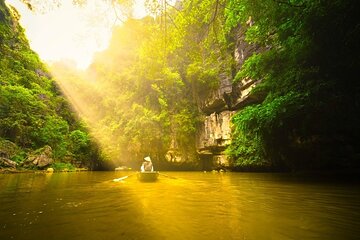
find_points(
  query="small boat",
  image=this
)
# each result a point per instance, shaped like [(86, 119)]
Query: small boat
[(148, 176)]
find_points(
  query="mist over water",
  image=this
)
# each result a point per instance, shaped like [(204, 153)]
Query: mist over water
[(195, 205)]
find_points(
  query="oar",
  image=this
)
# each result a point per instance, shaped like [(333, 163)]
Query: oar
[(167, 176), (122, 178)]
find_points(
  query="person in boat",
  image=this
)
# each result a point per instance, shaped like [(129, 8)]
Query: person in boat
[(147, 165)]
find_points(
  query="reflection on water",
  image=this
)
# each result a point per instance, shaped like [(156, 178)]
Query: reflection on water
[(195, 205)]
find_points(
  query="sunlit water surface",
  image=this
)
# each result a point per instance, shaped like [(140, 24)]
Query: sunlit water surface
[(195, 205)]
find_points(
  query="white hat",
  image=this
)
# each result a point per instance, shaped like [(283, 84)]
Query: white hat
[(147, 159)]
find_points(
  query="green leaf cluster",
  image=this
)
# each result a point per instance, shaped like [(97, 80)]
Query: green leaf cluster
[(33, 112), (308, 92)]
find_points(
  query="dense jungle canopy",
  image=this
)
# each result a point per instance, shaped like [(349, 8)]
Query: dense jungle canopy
[(142, 96)]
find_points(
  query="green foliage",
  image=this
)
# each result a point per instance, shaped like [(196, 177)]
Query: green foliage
[(252, 68), (256, 127), (20, 111), (10, 150), (79, 140), (288, 128), (61, 166), (155, 72), (20, 157), (53, 130), (247, 150), (32, 111), (203, 75), (148, 81)]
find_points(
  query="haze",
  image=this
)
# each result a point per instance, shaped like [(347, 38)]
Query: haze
[(72, 33)]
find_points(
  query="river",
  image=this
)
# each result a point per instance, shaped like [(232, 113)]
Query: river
[(193, 205)]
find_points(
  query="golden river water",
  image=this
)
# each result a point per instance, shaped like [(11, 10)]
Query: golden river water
[(193, 205)]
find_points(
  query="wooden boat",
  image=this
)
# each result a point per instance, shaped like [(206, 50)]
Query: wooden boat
[(148, 176)]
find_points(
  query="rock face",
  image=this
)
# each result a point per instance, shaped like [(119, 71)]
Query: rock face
[(181, 157), (214, 134), (7, 151), (7, 163), (216, 100), (213, 137), (41, 159)]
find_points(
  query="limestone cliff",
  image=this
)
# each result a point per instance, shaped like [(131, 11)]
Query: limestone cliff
[(214, 133)]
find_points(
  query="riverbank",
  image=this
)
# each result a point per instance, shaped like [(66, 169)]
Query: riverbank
[(49, 170)]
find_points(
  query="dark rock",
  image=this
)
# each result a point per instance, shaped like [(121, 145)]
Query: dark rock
[(40, 159), (7, 148), (7, 163)]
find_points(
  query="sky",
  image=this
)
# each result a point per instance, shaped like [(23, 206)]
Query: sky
[(70, 32)]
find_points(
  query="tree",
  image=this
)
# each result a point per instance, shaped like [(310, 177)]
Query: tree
[(299, 119)]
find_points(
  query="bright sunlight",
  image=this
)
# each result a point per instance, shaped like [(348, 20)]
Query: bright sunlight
[(69, 32)]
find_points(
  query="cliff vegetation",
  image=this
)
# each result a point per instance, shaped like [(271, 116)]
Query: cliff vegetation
[(38, 127), (148, 93)]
